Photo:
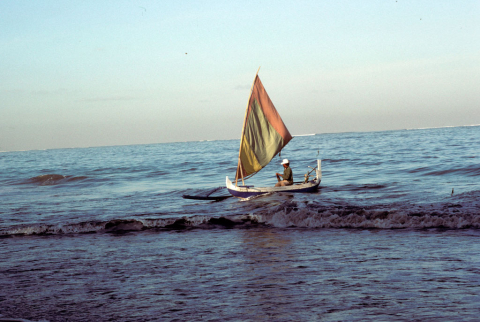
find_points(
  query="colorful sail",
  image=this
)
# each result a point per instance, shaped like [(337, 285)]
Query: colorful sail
[(264, 133)]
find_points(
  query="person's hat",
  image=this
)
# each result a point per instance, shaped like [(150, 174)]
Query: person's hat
[(285, 161)]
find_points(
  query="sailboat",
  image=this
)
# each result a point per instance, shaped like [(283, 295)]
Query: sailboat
[(264, 135)]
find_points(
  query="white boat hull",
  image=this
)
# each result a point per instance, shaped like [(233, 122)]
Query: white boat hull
[(249, 191)]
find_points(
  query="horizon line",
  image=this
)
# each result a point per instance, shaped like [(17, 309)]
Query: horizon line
[(213, 140)]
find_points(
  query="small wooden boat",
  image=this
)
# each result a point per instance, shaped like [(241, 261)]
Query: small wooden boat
[(263, 137), (246, 191)]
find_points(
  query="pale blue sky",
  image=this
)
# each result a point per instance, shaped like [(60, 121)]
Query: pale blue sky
[(93, 73)]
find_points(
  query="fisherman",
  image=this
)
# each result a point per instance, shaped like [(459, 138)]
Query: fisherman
[(287, 175)]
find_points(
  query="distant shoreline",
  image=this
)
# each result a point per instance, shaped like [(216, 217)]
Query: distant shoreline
[(213, 140)]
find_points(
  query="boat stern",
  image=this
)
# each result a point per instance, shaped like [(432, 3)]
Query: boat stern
[(319, 170)]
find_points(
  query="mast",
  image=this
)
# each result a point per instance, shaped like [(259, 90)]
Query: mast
[(243, 132)]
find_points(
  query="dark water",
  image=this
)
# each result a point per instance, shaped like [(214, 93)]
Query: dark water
[(103, 233)]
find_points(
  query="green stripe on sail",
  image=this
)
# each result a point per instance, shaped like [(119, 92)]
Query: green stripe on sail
[(264, 141)]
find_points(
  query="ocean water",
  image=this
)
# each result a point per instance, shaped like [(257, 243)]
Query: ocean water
[(103, 234)]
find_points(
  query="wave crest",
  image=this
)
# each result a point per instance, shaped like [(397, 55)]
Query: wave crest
[(128, 225), (462, 214), (53, 179), (351, 217)]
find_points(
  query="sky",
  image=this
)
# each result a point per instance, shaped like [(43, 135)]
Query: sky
[(98, 73)]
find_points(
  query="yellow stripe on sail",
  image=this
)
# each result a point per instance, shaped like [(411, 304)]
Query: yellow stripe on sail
[(249, 160)]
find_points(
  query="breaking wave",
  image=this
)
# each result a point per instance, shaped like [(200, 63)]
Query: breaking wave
[(450, 216), (125, 225), (460, 213)]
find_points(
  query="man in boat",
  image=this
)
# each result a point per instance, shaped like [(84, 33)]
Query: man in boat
[(287, 175)]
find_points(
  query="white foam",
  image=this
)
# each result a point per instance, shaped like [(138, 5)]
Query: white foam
[(304, 135)]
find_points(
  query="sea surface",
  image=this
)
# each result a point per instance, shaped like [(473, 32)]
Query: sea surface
[(103, 234)]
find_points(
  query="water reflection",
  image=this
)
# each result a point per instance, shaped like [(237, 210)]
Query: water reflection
[(271, 282)]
